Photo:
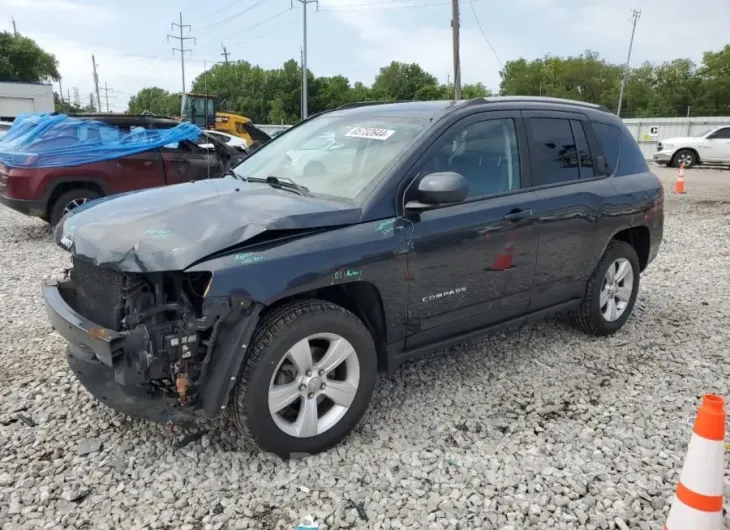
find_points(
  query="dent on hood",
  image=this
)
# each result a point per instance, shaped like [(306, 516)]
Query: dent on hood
[(172, 228)]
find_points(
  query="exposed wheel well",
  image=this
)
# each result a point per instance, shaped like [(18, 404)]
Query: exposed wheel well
[(639, 238), (63, 187), (360, 298)]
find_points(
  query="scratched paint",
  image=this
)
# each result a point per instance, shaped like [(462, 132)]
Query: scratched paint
[(347, 274), (248, 258), (158, 234), (385, 227)]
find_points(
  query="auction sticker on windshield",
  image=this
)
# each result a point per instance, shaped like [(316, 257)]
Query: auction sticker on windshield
[(370, 132)]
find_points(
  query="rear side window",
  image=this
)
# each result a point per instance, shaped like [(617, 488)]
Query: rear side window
[(585, 159), (623, 155), (559, 156)]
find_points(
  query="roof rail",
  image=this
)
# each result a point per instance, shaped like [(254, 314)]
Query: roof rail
[(538, 99), (356, 104)]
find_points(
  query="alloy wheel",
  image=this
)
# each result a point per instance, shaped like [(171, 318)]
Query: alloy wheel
[(616, 289), (314, 385), (72, 205)]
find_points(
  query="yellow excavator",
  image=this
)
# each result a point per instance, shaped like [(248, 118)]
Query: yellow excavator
[(202, 110)]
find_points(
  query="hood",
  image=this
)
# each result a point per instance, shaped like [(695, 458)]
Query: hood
[(172, 227), (681, 140)]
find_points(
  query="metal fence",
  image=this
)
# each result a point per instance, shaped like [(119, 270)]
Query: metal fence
[(649, 131)]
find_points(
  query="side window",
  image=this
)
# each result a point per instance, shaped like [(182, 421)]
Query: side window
[(553, 150), (623, 155), (609, 138), (485, 153), (585, 159), (720, 134)]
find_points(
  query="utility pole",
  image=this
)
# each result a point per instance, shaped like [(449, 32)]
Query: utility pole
[(106, 90), (304, 54), (91, 101), (96, 84), (455, 37), (225, 54), (77, 96), (15, 30), (68, 93), (635, 15), (182, 49)]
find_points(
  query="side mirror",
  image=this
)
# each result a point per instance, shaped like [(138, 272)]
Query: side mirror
[(439, 188), (601, 166)]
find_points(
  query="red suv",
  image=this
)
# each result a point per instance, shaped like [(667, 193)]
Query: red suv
[(49, 193)]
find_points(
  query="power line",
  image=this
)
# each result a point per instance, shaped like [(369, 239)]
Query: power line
[(243, 31), (635, 15), (230, 19), (383, 5), (182, 48), (484, 35)]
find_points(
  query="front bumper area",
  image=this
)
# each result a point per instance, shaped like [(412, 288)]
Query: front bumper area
[(662, 157), (26, 207), (121, 370), (103, 361)]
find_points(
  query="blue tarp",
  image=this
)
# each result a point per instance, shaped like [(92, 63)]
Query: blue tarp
[(45, 140)]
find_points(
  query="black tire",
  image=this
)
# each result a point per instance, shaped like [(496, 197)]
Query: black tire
[(275, 335), (689, 155), (589, 316), (57, 210)]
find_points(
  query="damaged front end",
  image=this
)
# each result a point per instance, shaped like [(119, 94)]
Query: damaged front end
[(144, 343)]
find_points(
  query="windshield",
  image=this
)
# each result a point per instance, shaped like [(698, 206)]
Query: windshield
[(335, 156)]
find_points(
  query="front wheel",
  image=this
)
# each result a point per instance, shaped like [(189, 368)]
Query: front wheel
[(70, 201), (686, 156), (307, 379), (611, 291)]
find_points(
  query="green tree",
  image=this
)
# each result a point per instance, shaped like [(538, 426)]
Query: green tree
[(401, 81), (714, 75), (22, 60), (155, 100)]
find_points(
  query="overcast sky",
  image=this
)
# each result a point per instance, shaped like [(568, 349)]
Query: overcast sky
[(351, 37)]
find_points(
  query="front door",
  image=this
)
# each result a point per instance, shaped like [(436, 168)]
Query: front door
[(472, 264), (719, 146)]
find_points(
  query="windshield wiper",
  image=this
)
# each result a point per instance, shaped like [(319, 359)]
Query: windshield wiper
[(284, 183)]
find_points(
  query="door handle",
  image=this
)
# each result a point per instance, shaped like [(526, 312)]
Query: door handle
[(517, 215)]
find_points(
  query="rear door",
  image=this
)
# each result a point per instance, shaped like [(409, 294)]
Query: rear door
[(186, 161), (133, 172), (571, 200)]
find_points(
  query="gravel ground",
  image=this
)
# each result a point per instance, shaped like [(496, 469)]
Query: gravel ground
[(539, 427)]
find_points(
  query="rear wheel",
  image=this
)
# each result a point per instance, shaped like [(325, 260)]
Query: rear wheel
[(307, 380), (70, 201), (611, 291)]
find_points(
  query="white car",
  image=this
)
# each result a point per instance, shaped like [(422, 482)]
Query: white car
[(4, 127), (712, 148), (234, 141)]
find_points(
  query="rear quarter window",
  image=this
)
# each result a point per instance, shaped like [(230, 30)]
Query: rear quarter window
[(622, 153)]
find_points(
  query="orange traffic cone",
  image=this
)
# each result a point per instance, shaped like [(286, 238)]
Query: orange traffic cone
[(679, 186), (504, 260), (698, 499)]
